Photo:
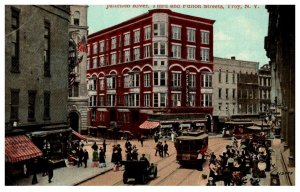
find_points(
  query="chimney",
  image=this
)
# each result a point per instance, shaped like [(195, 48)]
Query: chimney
[(232, 57)]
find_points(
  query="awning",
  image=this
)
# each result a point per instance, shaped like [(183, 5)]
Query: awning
[(20, 148), (149, 125), (78, 135)]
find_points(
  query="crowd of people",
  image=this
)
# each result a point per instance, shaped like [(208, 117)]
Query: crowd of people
[(251, 155)]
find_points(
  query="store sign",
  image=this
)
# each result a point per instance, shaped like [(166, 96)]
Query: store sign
[(166, 126), (200, 124)]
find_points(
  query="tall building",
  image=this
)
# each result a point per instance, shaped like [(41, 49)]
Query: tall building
[(36, 83), (160, 62), (233, 90), (78, 96), (280, 48), (264, 81)]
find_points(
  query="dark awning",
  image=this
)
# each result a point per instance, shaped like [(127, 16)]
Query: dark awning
[(78, 135), (149, 125), (20, 148)]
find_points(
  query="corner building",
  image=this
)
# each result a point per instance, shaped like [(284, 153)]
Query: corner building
[(160, 62)]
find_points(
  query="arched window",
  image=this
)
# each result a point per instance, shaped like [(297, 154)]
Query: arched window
[(76, 18)]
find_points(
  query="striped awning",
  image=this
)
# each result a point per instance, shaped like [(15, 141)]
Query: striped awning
[(78, 135), (20, 148), (149, 125)]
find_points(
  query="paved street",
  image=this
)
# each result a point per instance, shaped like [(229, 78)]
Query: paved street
[(169, 172)]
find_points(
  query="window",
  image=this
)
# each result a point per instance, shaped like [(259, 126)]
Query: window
[(135, 80), (111, 100), (192, 80), (160, 99), (136, 36), (159, 78), (176, 32), (220, 93), (147, 51), (206, 100), (176, 99), (159, 29), (133, 99), (206, 80), (113, 58), (14, 107), (220, 76), (101, 61), (226, 93), (176, 51), (113, 43), (47, 49), (31, 105), (147, 100), (74, 90), (191, 53), (192, 97), (127, 55), (95, 62), (147, 79), (15, 46), (92, 83), (95, 48), (47, 105), (93, 101), (126, 39), (101, 46), (191, 35), (233, 93), (147, 33), (233, 77), (76, 18), (159, 48), (205, 37), (226, 76), (127, 81), (111, 82), (204, 54), (136, 52), (176, 79)]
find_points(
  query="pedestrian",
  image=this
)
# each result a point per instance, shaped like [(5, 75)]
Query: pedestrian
[(226, 174), (104, 146), (119, 154), (101, 158), (172, 136), (85, 157), (157, 148), (80, 154), (50, 171), (161, 149), (134, 154), (142, 140), (95, 159), (44, 166), (95, 146), (34, 171), (166, 148)]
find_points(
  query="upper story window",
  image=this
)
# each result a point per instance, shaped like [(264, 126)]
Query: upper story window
[(176, 51), (147, 51), (204, 54), (102, 61), (101, 84), (192, 80), (101, 46), (206, 80), (95, 62), (220, 76), (47, 49), (159, 78), (226, 76), (147, 79), (191, 53), (126, 39), (136, 36), (205, 37), (92, 84), (76, 18), (176, 32), (15, 23), (191, 35), (136, 53), (176, 79), (159, 48), (114, 58), (147, 32), (159, 99), (113, 43), (135, 79), (127, 55), (233, 77), (159, 29), (111, 82), (95, 48)]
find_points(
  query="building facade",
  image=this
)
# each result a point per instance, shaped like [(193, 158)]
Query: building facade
[(280, 48), (264, 81), (158, 62), (36, 81), (78, 96)]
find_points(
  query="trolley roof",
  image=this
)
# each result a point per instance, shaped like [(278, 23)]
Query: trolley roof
[(192, 136)]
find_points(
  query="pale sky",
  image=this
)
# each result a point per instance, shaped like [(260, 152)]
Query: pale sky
[(237, 32)]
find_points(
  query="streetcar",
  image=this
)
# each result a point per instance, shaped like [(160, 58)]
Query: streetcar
[(189, 144)]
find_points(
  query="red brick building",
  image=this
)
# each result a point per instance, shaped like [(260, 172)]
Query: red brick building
[(160, 62)]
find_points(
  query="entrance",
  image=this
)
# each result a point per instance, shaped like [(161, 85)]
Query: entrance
[(74, 121)]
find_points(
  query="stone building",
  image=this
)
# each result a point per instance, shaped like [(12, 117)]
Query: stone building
[(36, 82), (280, 48), (78, 97)]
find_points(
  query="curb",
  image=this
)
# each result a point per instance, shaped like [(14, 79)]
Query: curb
[(91, 177)]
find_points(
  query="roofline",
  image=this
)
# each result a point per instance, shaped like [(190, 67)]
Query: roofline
[(150, 12)]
